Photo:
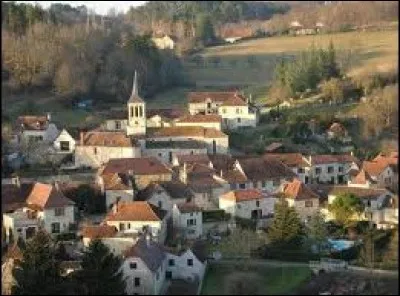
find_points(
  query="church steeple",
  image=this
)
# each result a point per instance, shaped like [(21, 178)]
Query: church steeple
[(135, 92)]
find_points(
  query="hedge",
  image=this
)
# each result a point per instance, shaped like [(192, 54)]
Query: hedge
[(215, 215)]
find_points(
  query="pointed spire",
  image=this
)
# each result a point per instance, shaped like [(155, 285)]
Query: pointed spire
[(135, 92)]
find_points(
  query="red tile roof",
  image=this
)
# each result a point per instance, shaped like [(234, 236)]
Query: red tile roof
[(193, 158), (47, 196), (226, 98), (116, 182), (185, 131), (107, 139), (99, 231), (290, 159), (362, 178), (166, 113), (331, 158), (201, 118), (138, 166), (374, 168), (243, 195), (298, 191), (32, 122), (136, 211)]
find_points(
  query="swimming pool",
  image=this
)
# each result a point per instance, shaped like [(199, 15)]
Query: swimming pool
[(340, 244)]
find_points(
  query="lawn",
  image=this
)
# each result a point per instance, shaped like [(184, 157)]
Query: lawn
[(371, 51), (268, 280)]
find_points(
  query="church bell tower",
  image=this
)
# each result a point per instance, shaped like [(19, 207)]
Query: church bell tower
[(136, 112)]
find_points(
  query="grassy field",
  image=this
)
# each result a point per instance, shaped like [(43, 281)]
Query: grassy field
[(371, 51), (269, 280)]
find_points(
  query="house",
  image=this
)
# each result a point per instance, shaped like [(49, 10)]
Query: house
[(144, 268), (98, 147), (137, 216), (164, 41), (329, 168), (180, 159), (302, 198), (203, 120), (361, 179), (381, 202), (225, 166), (11, 258), (231, 106), (45, 206), (188, 220), (116, 187), (296, 162), (215, 140), (163, 117), (33, 129), (89, 233), (166, 150), (338, 132), (64, 142), (261, 173), (247, 203), (384, 170), (298, 29), (143, 170), (165, 195), (14, 194)]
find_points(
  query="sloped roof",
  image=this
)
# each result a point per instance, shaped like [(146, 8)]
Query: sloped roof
[(166, 113), (47, 196), (230, 97), (107, 139), (99, 231), (135, 98), (362, 178), (13, 197), (116, 181), (14, 252), (200, 118), (148, 191), (289, 159), (325, 190), (234, 176), (332, 158), (188, 207), (152, 254), (185, 131), (298, 191), (258, 168), (32, 122), (177, 189), (222, 161), (243, 195), (193, 158), (187, 144), (138, 166), (136, 211), (374, 168)]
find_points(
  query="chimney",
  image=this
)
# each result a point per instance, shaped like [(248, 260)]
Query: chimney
[(221, 174), (16, 181), (148, 239), (49, 116), (81, 138), (183, 174), (56, 185)]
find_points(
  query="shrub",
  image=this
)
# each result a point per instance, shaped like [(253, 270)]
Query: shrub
[(66, 236), (216, 215)]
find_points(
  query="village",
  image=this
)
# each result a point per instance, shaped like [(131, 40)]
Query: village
[(164, 173)]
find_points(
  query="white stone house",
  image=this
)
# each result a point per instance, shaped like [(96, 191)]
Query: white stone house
[(64, 143), (115, 187), (20, 224), (302, 198), (202, 120), (98, 147), (331, 168), (32, 129), (382, 172), (137, 217), (164, 41), (188, 220), (247, 203)]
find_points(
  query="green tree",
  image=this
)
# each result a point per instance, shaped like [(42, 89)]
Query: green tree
[(101, 272), (38, 272), (286, 229), (204, 29), (367, 256), (345, 207), (317, 230), (391, 255)]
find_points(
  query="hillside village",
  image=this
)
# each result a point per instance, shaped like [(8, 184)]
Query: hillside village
[(223, 193)]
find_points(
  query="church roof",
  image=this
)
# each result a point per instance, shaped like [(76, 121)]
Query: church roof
[(134, 98)]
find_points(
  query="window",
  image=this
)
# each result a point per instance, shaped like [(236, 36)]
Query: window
[(141, 111), (237, 110), (191, 222), (157, 275), (257, 203), (59, 212), (330, 169), (55, 227), (64, 145), (133, 265), (263, 184), (95, 150), (129, 225), (136, 111), (255, 184), (340, 169), (242, 186), (224, 110), (19, 230), (318, 171), (117, 125), (300, 171), (171, 262), (308, 203), (137, 282), (160, 204), (121, 226), (131, 109), (160, 154), (239, 120), (190, 262)]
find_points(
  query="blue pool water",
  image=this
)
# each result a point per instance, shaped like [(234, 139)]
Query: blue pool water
[(340, 244)]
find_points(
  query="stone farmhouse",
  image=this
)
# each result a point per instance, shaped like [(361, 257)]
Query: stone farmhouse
[(33, 129)]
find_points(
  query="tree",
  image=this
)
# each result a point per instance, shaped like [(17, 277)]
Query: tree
[(286, 229), (38, 272), (333, 90), (367, 251), (101, 272), (318, 230), (204, 29), (345, 207), (391, 256)]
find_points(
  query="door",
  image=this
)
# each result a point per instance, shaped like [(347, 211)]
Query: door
[(170, 156), (168, 275), (214, 147), (306, 180)]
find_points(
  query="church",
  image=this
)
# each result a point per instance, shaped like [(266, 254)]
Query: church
[(131, 137)]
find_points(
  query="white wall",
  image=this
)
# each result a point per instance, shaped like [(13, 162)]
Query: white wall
[(84, 155), (110, 125), (243, 209), (112, 195), (181, 269), (231, 115), (64, 136), (324, 176), (157, 121), (48, 216), (180, 221), (162, 154)]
